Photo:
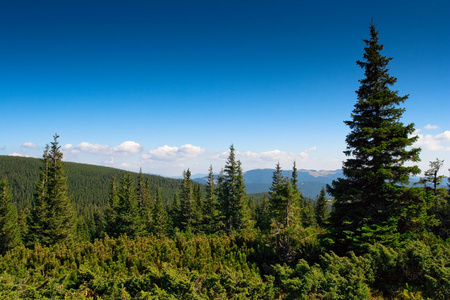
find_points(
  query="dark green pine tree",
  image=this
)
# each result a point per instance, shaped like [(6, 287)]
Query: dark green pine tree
[(278, 198), (263, 219), (160, 218), (284, 211), (53, 217), (188, 220), (10, 236), (233, 197), (211, 211), (284, 200), (128, 220), (175, 213), (322, 211), (367, 206), (145, 202), (111, 210), (308, 212), (198, 206), (294, 177)]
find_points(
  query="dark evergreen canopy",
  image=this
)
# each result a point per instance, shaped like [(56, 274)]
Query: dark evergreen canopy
[(367, 200)]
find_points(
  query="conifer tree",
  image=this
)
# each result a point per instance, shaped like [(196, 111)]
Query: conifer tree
[(111, 210), (322, 212), (263, 219), (188, 220), (284, 199), (232, 196), (278, 200), (175, 213), (53, 217), (308, 212), (10, 236), (211, 207), (145, 202), (160, 217), (367, 206), (294, 177), (128, 220), (431, 175), (198, 205)]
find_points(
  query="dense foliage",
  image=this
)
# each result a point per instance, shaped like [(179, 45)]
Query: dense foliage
[(85, 232), (371, 197)]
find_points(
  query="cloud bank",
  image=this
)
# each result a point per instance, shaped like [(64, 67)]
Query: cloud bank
[(125, 148), (167, 153), (438, 142)]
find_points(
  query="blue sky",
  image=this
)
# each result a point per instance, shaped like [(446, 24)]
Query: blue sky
[(170, 85)]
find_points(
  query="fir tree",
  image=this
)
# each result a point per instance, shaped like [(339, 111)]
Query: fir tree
[(284, 211), (175, 213), (111, 210), (10, 236), (188, 220), (294, 176), (198, 207), (322, 212), (366, 206), (210, 207), (52, 218), (308, 212), (284, 199), (263, 219), (128, 220), (145, 202), (278, 200), (160, 217), (232, 196)]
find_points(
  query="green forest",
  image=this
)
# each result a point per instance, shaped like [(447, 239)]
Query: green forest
[(75, 231)]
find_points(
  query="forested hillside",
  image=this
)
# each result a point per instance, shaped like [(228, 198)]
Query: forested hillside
[(88, 185), (73, 231)]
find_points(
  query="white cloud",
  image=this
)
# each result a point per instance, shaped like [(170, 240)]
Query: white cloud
[(93, 148), (269, 159), (429, 126), (18, 154), (29, 145), (168, 153), (444, 137), (127, 147), (434, 142), (109, 161)]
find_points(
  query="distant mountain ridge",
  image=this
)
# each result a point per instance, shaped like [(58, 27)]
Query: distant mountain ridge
[(310, 181)]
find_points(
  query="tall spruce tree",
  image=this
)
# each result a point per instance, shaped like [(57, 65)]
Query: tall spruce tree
[(160, 217), (210, 207), (122, 213), (233, 197), (111, 210), (53, 217), (284, 200), (322, 211), (10, 236), (128, 220), (188, 205), (367, 203), (145, 202)]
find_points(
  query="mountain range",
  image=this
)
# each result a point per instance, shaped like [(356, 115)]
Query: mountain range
[(310, 182)]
